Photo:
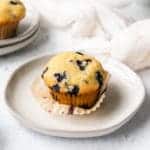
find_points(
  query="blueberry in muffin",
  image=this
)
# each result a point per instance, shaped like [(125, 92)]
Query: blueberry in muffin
[(75, 79)]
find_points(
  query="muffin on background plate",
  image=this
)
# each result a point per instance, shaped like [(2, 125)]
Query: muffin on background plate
[(76, 81), (11, 13)]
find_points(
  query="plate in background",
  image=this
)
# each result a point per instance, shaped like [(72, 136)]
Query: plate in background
[(26, 28), (18, 46)]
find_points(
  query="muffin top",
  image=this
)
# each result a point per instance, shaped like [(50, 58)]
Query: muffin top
[(11, 11), (74, 73)]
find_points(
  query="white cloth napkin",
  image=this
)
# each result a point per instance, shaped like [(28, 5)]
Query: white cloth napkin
[(85, 24), (132, 45), (84, 18)]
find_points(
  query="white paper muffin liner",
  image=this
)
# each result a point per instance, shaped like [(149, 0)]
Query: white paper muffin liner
[(42, 95)]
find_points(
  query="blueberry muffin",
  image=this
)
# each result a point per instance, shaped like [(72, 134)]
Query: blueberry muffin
[(11, 12), (75, 79)]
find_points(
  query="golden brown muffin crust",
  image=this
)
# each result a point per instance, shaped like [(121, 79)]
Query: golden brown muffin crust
[(11, 11), (74, 73)]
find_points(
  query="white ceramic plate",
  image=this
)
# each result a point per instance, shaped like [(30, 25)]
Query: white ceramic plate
[(18, 46), (26, 28), (124, 97)]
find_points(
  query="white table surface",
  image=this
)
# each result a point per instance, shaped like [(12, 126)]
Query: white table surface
[(13, 136)]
